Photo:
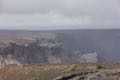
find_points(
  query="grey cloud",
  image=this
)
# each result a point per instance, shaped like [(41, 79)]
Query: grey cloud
[(71, 12)]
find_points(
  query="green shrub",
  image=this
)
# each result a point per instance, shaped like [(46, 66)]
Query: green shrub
[(99, 66)]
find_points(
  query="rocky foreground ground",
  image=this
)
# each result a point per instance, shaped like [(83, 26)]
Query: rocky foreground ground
[(92, 75), (59, 72)]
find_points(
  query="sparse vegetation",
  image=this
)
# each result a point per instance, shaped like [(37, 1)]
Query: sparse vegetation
[(48, 71), (38, 71), (99, 65), (35, 78)]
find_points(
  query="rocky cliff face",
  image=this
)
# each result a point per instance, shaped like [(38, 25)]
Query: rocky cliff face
[(34, 51), (30, 47), (40, 50)]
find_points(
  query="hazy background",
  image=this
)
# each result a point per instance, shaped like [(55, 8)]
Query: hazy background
[(59, 14)]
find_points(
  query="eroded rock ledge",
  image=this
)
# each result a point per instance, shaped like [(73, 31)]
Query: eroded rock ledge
[(31, 51)]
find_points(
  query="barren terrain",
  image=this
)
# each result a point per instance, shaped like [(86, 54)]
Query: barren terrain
[(60, 72)]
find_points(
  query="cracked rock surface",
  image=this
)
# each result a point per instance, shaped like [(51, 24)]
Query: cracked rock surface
[(92, 75)]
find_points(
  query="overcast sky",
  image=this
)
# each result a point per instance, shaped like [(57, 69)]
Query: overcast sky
[(83, 13)]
